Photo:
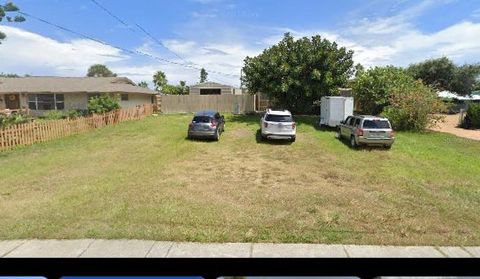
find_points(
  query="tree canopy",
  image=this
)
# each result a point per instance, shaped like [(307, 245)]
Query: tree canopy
[(99, 70), (161, 84), (443, 74), (393, 92), (143, 84), (372, 87), (5, 11), (203, 75), (159, 80), (297, 73)]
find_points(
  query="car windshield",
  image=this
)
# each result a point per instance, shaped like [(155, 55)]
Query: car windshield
[(279, 118), (201, 119), (376, 124)]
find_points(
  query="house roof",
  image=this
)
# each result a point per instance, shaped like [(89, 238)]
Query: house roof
[(71, 85), (210, 84)]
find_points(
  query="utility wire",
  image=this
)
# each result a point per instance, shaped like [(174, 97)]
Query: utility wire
[(138, 52), (112, 15), (189, 63)]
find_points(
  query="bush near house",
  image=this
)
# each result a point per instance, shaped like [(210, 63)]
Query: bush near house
[(13, 119), (413, 106), (392, 92), (103, 104), (472, 119)]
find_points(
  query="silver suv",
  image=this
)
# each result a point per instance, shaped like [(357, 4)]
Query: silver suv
[(367, 130), (278, 124)]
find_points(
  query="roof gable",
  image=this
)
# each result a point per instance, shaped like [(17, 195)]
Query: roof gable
[(71, 85)]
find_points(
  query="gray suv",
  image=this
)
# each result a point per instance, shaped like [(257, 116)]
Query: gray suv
[(367, 130), (206, 123)]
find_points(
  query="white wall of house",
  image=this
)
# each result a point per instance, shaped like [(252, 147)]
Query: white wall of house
[(136, 100)]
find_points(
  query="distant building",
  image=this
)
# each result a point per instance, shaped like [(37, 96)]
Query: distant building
[(213, 88)]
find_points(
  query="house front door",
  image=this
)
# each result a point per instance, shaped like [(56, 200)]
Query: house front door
[(12, 101)]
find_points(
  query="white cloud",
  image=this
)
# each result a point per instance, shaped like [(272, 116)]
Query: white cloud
[(24, 52), (204, 14)]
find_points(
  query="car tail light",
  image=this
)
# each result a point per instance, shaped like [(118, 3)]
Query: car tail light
[(392, 133), (213, 124), (359, 132), (265, 125), (190, 125), (294, 125)]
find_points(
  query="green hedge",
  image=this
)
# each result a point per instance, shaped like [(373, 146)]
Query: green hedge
[(472, 119)]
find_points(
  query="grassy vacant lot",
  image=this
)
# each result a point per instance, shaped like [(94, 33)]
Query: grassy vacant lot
[(144, 180)]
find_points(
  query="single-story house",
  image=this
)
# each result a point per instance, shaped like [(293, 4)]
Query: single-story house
[(41, 94), (213, 88)]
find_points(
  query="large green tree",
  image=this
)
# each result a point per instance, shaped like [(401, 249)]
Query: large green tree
[(443, 74), (438, 73), (297, 73), (143, 84), (466, 78), (6, 12), (181, 89), (203, 75), (99, 70), (372, 88)]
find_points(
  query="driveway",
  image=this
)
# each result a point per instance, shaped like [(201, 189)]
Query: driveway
[(450, 126)]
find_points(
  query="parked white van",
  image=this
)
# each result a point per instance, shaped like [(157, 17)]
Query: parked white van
[(334, 109)]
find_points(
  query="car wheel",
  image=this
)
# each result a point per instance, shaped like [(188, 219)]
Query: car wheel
[(217, 135), (388, 147), (293, 139), (189, 136), (353, 142)]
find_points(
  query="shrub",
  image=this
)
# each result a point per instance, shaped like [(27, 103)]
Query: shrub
[(54, 114), (13, 119), (103, 104), (413, 106), (75, 113), (372, 88), (472, 119)]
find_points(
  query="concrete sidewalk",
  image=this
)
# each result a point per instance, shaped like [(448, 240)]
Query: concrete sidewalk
[(160, 249)]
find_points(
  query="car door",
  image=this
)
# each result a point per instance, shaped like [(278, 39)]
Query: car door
[(351, 127), (344, 127)]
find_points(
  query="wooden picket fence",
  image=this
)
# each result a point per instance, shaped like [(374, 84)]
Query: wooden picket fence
[(33, 132)]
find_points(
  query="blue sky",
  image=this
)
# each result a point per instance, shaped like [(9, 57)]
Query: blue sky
[(219, 34)]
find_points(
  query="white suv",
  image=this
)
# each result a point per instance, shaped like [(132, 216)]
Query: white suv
[(278, 124)]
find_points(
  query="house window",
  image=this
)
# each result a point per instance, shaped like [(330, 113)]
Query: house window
[(124, 97), (46, 101), (212, 91)]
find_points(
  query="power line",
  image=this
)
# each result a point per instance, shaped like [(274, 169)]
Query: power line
[(111, 14), (189, 63), (137, 52)]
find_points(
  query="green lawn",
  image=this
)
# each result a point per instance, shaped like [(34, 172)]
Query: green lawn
[(145, 180)]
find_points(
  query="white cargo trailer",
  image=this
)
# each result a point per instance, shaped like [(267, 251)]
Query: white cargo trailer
[(334, 109)]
